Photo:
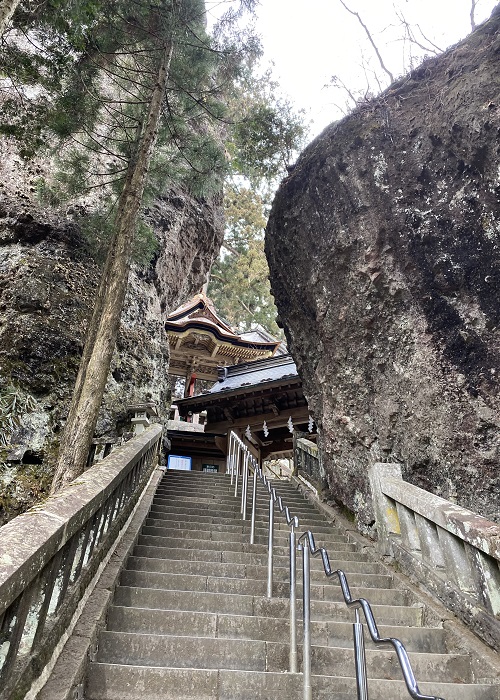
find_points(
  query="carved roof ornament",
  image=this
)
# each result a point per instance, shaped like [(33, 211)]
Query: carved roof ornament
[(195, 330)]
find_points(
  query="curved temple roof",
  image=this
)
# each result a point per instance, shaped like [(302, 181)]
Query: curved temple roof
[(200, 341)]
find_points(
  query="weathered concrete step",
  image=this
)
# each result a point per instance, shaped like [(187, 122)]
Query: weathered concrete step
[(231, 517), (255, 605), (360, 562), (248, 586), (214, 533), (204, 567), (351, 562), (259, 655), (181, 566), (207, 624), (228, 502), (187, 543), (226, 490), (222, 480), (232, 513), (335, 553), (206, 501), (176, 520), (192, 497), (182, 652), (358, 573), (323, 610), (262, 514), (183, 474), (121, 682), (227, 496)]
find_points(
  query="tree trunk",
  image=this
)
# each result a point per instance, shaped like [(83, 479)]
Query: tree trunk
[(7, 9), (104, 325)]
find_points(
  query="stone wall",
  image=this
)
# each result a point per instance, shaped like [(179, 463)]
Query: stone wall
[(383, 246), (47, 283)]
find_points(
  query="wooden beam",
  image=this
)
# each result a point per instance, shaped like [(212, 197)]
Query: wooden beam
[(221, 443), (229, 415), (299, 415), (277, 447)]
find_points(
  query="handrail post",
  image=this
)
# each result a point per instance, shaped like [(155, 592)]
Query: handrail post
[(237, 469), (244, 489), (360, 658), (306, 602), (230, 459), (254, 504), (270, 547), (293, 601)]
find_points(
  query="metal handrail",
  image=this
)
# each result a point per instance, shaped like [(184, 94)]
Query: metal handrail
[(309, 548), (357, 603), (250, 463)]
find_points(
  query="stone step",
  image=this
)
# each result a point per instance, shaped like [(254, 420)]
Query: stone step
[(223, 480), (190, 618), (226, 488), (348, 561), (231, 506), (232, 513), (197, 581), (248, 586), (214, 533), (203, 494), (190, 543), (191, 474), (176, 520), (258, 655), (207, 624), (255, 605), (234, 570), (122, 682), (261, 514), (180, 565), (204, 497), (206, 550)]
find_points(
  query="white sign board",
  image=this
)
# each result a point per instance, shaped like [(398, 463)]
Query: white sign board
[(176, 462)]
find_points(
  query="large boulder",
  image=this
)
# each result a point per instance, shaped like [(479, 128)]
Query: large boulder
[(383, 245)]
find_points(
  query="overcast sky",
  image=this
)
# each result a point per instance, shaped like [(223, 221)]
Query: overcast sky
[(309, 41)]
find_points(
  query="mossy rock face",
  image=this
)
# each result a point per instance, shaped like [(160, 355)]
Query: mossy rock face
[(21, 487), (47, 288), (384, 252)]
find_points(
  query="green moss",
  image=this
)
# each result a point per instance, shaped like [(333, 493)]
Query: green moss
[(30, 485), (347, 513)]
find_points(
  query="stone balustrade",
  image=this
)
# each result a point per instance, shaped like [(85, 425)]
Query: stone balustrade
[(307, 459), (51, 555), (450, 551)]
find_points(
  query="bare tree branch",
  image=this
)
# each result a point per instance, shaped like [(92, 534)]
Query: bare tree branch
[(370, 39), (473, 24)]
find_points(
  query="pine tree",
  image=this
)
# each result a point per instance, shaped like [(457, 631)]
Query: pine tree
[(133, 96), (156, 95), (239, 280)]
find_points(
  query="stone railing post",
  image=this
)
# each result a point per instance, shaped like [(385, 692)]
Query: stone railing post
[(386, 515)]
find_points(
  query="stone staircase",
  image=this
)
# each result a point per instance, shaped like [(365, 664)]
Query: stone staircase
[(190, 618)]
